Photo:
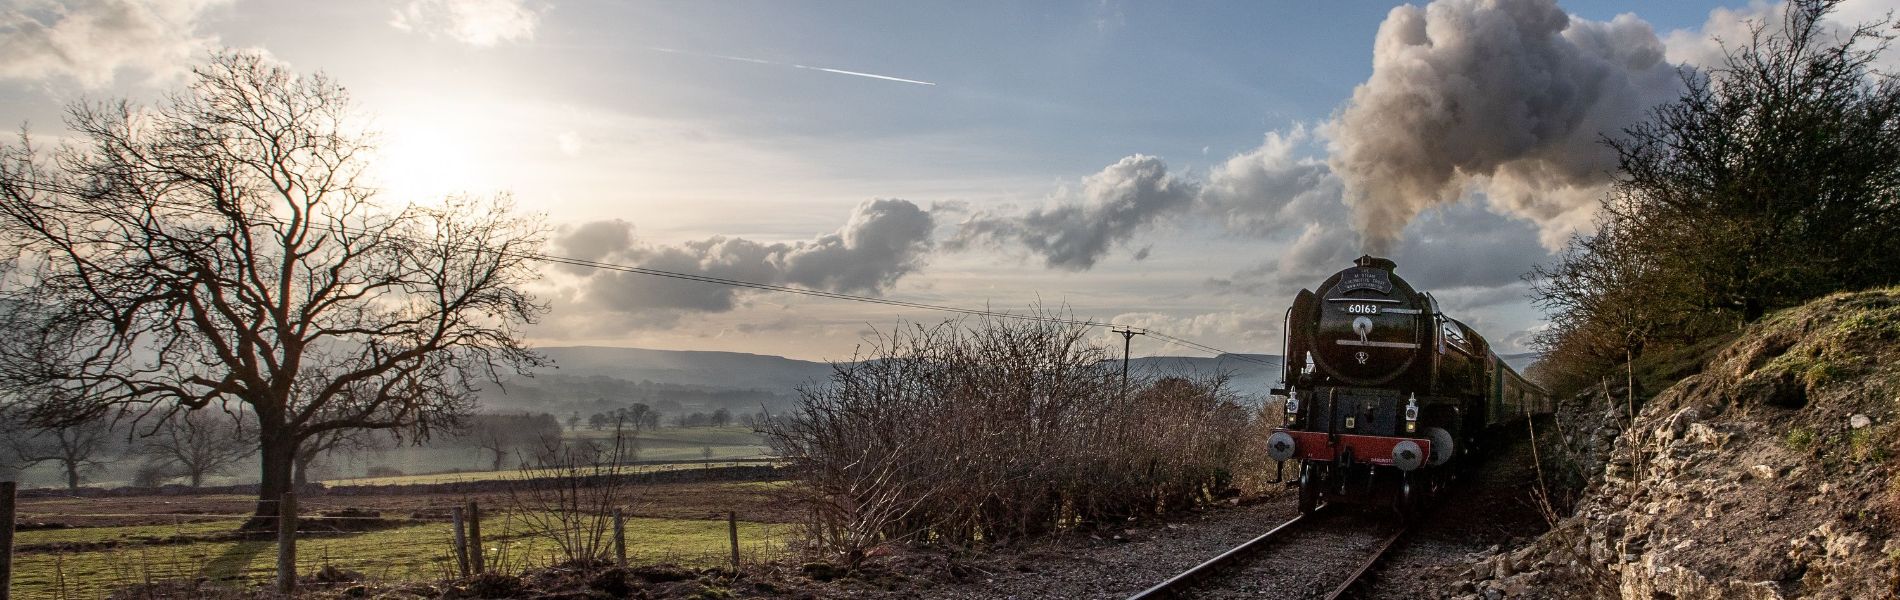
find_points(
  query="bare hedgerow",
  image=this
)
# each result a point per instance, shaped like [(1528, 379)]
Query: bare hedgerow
[(998, 429), (570, 499)]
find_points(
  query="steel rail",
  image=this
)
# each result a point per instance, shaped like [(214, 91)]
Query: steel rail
[(1365, 567), (1177, 583)]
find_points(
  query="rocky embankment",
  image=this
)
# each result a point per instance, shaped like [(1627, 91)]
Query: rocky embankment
[(1769, 474)]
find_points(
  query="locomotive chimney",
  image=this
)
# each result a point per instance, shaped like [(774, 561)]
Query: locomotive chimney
[(1376, 263)]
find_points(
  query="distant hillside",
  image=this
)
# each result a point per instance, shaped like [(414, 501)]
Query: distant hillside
[(1245, 375), (730, 370), (590, 379)]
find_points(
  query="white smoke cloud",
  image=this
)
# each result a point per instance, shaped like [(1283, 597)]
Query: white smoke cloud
[(91, 41), (881, 242), (1124, 199), (473, 22), (1509, 97)]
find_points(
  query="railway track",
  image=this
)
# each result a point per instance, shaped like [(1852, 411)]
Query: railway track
[(1354, 550)]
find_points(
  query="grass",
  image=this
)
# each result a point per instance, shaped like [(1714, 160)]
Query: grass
[(466, 476), (664, 444), (131, 533), (1800, 439), (411, 552)]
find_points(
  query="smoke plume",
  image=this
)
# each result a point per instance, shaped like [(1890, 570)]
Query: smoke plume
[(1508, 96)]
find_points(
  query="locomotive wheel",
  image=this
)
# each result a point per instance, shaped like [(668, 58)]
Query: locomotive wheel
[(1309, 489)]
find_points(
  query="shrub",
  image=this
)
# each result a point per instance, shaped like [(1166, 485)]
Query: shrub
[(999, 429)]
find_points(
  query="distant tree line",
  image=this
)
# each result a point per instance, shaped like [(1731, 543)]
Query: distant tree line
[(185, 447), (1773, 179), (599, 394), (641, 416)]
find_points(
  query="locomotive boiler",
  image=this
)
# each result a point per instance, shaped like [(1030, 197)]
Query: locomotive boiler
[(1385, 395)]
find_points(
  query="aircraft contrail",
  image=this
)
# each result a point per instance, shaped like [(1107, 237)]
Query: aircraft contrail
[(757, 61)]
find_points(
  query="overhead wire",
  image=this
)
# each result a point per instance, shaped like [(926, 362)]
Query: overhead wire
[(594, 264)]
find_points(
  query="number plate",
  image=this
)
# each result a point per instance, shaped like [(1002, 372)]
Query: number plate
[(1362, 309)]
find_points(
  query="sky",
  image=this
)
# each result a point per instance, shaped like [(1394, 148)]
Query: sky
[(1182, 167)]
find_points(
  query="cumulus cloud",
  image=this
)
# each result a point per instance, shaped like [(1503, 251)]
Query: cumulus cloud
[(1121, 200), (1725, 26), (473, 22), (1508, 96), (1273, 188), (1729, 28), (594, 241), (91, 41), (881, 242), (1254, 328)]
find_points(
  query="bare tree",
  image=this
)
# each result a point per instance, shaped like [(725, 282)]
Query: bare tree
[(77, 448), (331, 442), (222, 246), (197, 443)]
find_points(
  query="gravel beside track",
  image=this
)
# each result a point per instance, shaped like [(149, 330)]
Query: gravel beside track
[(1484, 512), (1308, 562), (1099, 566)]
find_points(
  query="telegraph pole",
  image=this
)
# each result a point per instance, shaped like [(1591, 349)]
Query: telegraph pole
[(1128, 337)]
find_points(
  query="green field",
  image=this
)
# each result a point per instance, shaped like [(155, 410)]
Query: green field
[(411, 552), (465, 476), (690, 443), (664, 444)]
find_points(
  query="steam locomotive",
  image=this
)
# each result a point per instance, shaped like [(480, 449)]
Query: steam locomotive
[(1385, 395)]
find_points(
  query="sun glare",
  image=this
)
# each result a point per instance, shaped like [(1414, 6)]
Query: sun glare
[(421, 158)]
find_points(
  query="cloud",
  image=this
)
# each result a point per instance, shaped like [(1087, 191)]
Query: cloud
[(91, 41), (1468, 248), (1725, 27), (473, 22), (595, 240), (1246, 329), (1273, 188), (1729, 28), (1508, 97), (1123, 199), (1508, 100), (882, 241)]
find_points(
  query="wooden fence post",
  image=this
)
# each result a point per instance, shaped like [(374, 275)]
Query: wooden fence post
[(475, 551), (732, 531), (287, 543), (461, 542), (6, 538), (620, 539)]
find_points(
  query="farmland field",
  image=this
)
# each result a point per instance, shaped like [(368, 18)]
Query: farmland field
[(137, 539), (441, 457)]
